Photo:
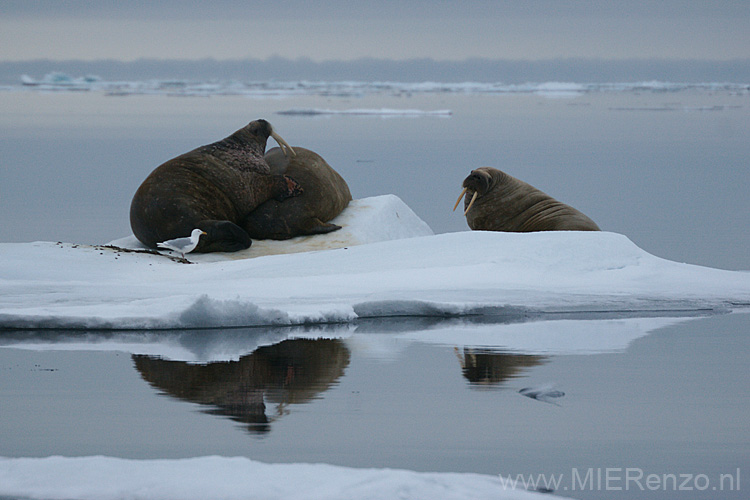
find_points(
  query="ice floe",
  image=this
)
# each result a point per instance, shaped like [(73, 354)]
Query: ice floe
[(108, 478), (61, 82), (384, 263), (384, 112)]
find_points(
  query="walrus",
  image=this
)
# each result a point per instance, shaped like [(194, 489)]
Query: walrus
[(496, 201), (326, 195), (211, 188)]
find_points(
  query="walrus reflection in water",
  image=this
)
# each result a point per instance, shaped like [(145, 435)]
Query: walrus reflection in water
[(485, 367), (496, 201), (292, 371), (212, 188), (326, 195)]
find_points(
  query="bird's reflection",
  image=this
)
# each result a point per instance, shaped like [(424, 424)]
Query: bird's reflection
[(292, 371), (486, 367)]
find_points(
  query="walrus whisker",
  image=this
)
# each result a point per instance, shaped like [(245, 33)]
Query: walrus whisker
[(459, 198), (473, 199), (285, 147)]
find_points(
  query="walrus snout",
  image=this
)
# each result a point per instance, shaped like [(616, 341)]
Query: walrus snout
[(477, 181), (262, 127)]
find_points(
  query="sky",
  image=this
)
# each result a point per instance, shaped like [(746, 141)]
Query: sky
[(387, 29)]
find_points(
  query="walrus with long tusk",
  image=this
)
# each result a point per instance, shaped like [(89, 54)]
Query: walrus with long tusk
[(212, 188), (326, 195), (496, 201)]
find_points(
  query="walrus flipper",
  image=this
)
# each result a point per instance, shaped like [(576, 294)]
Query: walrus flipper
[(317, 226), (222, 236)]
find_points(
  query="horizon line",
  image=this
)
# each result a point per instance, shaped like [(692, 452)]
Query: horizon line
[(306, 59)]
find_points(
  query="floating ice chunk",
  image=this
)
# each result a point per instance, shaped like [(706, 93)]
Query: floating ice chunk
[(545, 393), (364, 112)]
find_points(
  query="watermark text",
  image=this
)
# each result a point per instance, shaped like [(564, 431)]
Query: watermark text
[(623, 479)]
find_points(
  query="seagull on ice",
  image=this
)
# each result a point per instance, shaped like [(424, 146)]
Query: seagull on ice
[(183, 245)]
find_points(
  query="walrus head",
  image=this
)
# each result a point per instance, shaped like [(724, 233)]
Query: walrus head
[(478, 183), (264, 129)]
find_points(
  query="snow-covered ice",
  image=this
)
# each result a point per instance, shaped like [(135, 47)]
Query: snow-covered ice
[(369, 220), (105, 478), (384, 263)]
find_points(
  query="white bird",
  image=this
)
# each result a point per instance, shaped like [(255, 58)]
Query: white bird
[(183, 245)]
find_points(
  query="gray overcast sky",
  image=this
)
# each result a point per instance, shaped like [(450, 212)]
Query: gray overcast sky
[(345, 30)]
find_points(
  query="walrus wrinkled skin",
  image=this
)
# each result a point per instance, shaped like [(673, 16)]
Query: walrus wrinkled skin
[(496, 201), (212, 188), (326, 195)]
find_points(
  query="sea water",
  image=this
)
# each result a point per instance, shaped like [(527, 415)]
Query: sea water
[(666, 167), (645, 404)]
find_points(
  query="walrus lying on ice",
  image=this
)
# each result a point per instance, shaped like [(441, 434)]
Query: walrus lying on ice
[(496, 201), (212, 188), (326, 195)]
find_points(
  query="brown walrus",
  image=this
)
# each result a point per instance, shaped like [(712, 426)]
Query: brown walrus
[(496, 201), (211, 188), (326, 195)]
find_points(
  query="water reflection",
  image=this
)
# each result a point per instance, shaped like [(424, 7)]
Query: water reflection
[(290, 372), (487, 367), (398, 389), (294, 371), (509, 331)]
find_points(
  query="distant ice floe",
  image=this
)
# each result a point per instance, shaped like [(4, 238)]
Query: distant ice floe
[(668, 107), (61, 82), (383, 112)]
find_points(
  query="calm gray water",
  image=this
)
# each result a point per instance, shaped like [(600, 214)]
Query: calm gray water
[(669, 170), (669, 401)]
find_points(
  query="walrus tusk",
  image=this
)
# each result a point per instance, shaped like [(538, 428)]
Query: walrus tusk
[(459, 198), (285, 147), (473, 198)]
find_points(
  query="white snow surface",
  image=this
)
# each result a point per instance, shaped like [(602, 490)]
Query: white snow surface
[(385, 262), (369, 220), (225, 478)]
